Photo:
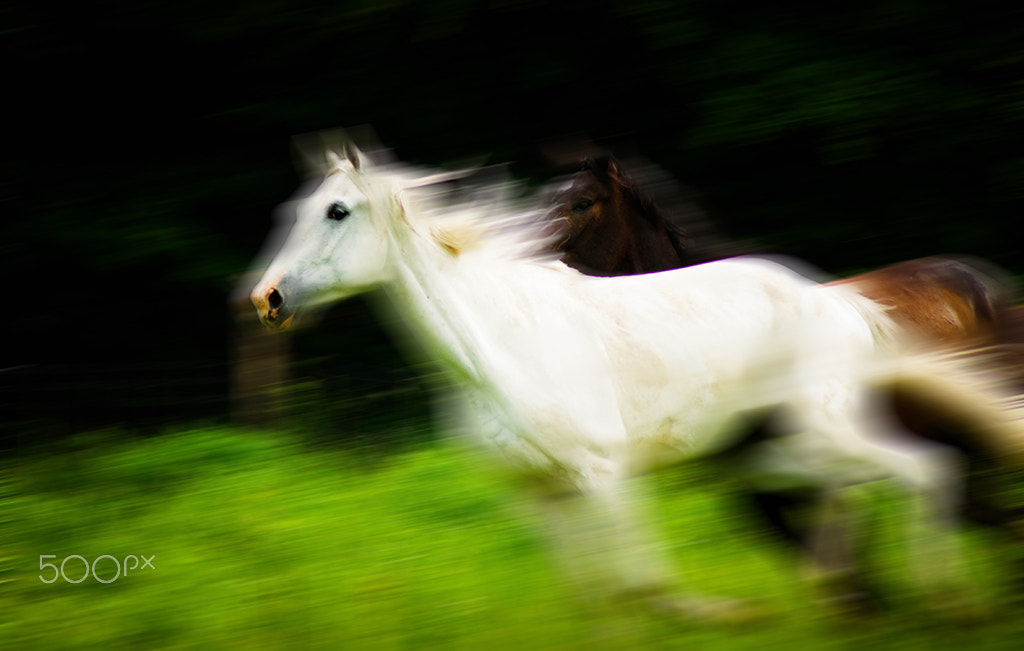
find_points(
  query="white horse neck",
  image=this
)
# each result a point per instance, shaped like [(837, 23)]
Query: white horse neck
[(443, 296)]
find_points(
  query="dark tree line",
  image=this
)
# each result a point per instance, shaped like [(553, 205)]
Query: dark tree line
[(147, 144)]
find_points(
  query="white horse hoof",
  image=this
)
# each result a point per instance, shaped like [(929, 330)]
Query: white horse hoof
[(730, 612)]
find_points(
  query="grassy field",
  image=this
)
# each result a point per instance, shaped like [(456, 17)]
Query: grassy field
[(256, 540)]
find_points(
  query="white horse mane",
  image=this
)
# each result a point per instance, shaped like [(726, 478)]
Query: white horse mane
[(467, 210)]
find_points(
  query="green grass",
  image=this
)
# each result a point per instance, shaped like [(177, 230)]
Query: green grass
[(262, 541)]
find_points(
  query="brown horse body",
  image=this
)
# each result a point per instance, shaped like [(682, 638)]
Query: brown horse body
[(944, 301), (610, 226)]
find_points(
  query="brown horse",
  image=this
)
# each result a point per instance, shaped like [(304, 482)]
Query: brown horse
[(609, 225)]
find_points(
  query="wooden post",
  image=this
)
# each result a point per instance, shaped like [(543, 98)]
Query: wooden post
[(260, 363)]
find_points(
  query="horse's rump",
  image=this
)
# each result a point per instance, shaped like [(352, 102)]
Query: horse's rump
[(940, 299)]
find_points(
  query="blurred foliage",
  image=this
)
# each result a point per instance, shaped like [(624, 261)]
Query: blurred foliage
[(147, 145), (265, 541)]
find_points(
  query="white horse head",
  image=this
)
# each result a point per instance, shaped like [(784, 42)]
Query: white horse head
[(336, 246), (345, 232)]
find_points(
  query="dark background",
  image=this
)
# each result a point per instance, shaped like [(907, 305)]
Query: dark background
[(147, 144)]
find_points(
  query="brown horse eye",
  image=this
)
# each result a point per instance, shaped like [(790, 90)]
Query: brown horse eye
[(337, 211), (581, 205)]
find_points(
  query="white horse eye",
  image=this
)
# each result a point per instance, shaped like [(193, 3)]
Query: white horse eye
[(337, 211)]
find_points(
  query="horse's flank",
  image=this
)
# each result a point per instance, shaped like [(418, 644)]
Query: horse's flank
[(941, 300)]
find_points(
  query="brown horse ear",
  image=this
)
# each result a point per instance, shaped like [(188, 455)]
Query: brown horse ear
[(600, 166), (613, 167), (616, 174), (607, 169)]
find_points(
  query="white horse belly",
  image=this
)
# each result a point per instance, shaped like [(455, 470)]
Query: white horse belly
[(682, 380)]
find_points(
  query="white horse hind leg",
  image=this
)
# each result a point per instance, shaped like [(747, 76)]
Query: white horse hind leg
[(936, 479), (833, 544), (821, 520), (932, 476)]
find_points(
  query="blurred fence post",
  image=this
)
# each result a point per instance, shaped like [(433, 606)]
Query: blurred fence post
[(260, 363)]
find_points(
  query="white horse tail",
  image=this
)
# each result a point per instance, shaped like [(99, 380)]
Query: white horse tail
[(962, 395), (888, 335)]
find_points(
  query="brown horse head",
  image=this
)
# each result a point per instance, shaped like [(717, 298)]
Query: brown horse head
[(610, 226)]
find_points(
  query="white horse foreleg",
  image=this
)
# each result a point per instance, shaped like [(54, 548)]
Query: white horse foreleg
[(612, 557), (599, 539)]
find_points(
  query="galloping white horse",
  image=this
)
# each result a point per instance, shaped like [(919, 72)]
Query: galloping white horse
[(582, 382)]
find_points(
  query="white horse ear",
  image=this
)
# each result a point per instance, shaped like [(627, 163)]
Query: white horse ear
[(323, 152), (352, 154), (334, 161)]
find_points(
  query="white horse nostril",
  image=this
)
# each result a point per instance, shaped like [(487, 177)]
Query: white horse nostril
[(275, 300)]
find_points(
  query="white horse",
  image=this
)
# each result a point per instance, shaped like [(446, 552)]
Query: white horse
[(581, 382)]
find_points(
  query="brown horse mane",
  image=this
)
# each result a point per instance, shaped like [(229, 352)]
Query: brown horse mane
[(664, 203)]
